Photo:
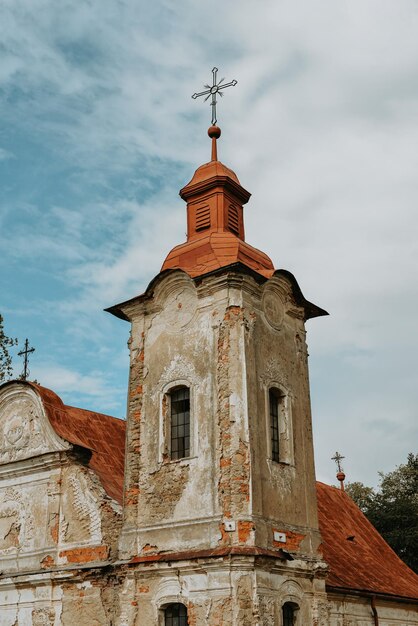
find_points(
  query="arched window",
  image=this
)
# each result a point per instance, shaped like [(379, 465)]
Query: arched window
[(279, 425), (289, 613), (179, 423), (276, 402), (175, 615)]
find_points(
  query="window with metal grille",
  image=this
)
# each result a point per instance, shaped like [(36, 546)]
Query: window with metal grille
[(289, 613), (233, 219), (175, 615), (202, 217), (276, 399), (180, 422)]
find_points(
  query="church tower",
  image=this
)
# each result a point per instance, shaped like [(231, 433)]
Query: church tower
[(220, 512)]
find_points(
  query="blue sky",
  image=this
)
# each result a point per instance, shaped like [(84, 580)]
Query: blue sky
[(98, 133)]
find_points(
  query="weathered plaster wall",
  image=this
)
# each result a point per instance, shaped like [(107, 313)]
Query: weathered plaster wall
[(53, 509), (351, 610), (221, 592), (176, 334), (55, 517), (228, 338), (65, 597), (284, 493)]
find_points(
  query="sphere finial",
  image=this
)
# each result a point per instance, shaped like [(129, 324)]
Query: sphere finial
[(214, 133), (341, 478)]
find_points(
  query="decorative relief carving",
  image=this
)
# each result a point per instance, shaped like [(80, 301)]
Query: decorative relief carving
[(290, 591), (23, 431), (266, 610), (179, 309), (278, 301), (19, 430), (83, 502), (178, 369), (295, 311), (273, 306), (175, 299), (320, 612), (16, 522), (273, 309), (43, 617), (273, 373)]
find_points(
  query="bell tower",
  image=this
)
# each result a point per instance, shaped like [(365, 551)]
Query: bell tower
[(220, 506)]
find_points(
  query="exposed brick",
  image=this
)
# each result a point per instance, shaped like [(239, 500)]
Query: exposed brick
[(293, 540), (84, 555), (47, 562)]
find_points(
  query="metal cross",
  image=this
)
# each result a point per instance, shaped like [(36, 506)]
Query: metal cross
[(212, 91), (25, 353), (338, 458)]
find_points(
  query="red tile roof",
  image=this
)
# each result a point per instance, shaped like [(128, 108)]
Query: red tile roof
[(214, 250), (215, 224), (102, 434), (366, 562)]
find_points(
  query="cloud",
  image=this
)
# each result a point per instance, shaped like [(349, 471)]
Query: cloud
[(72, 384), (6, 154), (321, 128)]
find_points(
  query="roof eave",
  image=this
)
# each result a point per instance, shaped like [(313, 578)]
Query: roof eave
[(369, 593)]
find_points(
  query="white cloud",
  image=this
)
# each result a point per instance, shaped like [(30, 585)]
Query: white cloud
[(5, 155), (70, 383), (322, 129)]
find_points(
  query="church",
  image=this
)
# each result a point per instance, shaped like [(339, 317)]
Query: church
[(202, 507)]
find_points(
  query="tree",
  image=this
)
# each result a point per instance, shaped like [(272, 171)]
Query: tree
[(362, 495), (393, 508), (6, 342)]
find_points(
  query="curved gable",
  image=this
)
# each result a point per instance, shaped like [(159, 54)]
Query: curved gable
[(35, 421), (25, 429)]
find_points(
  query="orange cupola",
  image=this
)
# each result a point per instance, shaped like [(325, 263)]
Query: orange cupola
[(215, 222)]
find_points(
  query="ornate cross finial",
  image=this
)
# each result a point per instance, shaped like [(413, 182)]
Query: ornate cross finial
[(338, 458), (212, 91), (25, 354), (340, 474)]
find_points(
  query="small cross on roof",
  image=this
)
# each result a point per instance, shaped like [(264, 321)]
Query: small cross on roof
[(25, 353), (338, 458)]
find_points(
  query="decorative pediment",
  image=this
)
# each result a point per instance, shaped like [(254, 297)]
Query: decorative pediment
[(25, 430)]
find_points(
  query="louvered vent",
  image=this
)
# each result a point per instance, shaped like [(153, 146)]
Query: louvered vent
[(233, 220), (202, 217)]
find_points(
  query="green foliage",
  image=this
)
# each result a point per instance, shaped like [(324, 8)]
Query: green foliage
[(393, 508), (5, 357), (362, 495)]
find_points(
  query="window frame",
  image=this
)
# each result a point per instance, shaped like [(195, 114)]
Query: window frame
[(276, 400), (295, 608), (185, 424), (177, 604), (164, 453), (285, 426)]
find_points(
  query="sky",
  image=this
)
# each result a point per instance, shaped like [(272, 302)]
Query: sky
[(98, 132)]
